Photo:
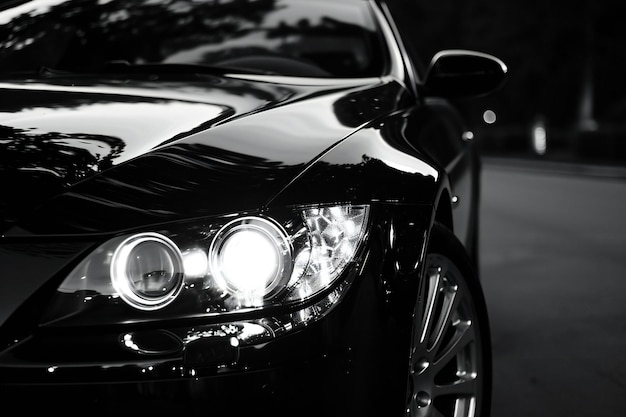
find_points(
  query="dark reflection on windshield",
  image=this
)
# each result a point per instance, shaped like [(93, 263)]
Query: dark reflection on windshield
[(288, 37)]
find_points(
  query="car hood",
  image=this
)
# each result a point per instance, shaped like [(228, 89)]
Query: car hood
[(100, 156)]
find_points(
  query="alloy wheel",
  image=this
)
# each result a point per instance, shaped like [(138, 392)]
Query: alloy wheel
[(446, 374)]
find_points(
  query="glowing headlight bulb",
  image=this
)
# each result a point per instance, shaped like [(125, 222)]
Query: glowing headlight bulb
[(250, 257)]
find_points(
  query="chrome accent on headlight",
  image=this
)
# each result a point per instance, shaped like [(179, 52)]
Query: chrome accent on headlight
[(214, 266), (334, 236)]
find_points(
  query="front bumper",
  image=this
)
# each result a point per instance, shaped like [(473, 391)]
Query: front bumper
[(350, 361)]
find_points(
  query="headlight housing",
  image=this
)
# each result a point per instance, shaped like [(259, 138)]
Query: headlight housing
[(213, 267)]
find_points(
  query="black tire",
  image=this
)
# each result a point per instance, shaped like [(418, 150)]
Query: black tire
[(450, 356)]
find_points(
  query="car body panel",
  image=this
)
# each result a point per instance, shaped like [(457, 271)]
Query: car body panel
[(107, 157), (90, 159)]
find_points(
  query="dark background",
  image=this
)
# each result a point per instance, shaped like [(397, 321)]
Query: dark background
[(566, 70), (553, 228)]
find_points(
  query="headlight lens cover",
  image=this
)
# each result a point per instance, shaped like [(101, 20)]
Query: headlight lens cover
[(147, 271), (215, 266)]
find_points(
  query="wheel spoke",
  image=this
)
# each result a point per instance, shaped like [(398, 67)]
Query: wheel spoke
[(449, 303), (463, 387), (433, 284), (465, 407), (463, 336)]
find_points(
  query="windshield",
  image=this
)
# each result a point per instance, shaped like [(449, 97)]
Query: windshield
[(316, 38)]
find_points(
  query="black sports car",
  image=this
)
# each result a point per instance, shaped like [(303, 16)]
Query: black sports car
[(236, 207)]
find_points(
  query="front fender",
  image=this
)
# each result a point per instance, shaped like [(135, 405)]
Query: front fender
[(374, 164)]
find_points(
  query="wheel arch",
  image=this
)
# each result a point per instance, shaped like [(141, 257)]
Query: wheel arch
[(443, 210)]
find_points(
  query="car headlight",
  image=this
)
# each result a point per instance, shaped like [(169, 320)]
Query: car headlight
[(211, 267), (147, 271), (251, 257)]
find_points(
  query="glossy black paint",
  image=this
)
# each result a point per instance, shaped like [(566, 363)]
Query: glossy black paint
[(127, 127), (239, 164), (88, 158), (362, 340)]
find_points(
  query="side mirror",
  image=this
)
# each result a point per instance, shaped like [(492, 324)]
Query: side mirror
[(460, 73)]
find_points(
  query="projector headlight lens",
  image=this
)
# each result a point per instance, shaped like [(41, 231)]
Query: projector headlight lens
[(147, 271), (250, 257)]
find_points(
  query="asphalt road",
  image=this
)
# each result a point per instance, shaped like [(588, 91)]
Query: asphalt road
[(553, 269)]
